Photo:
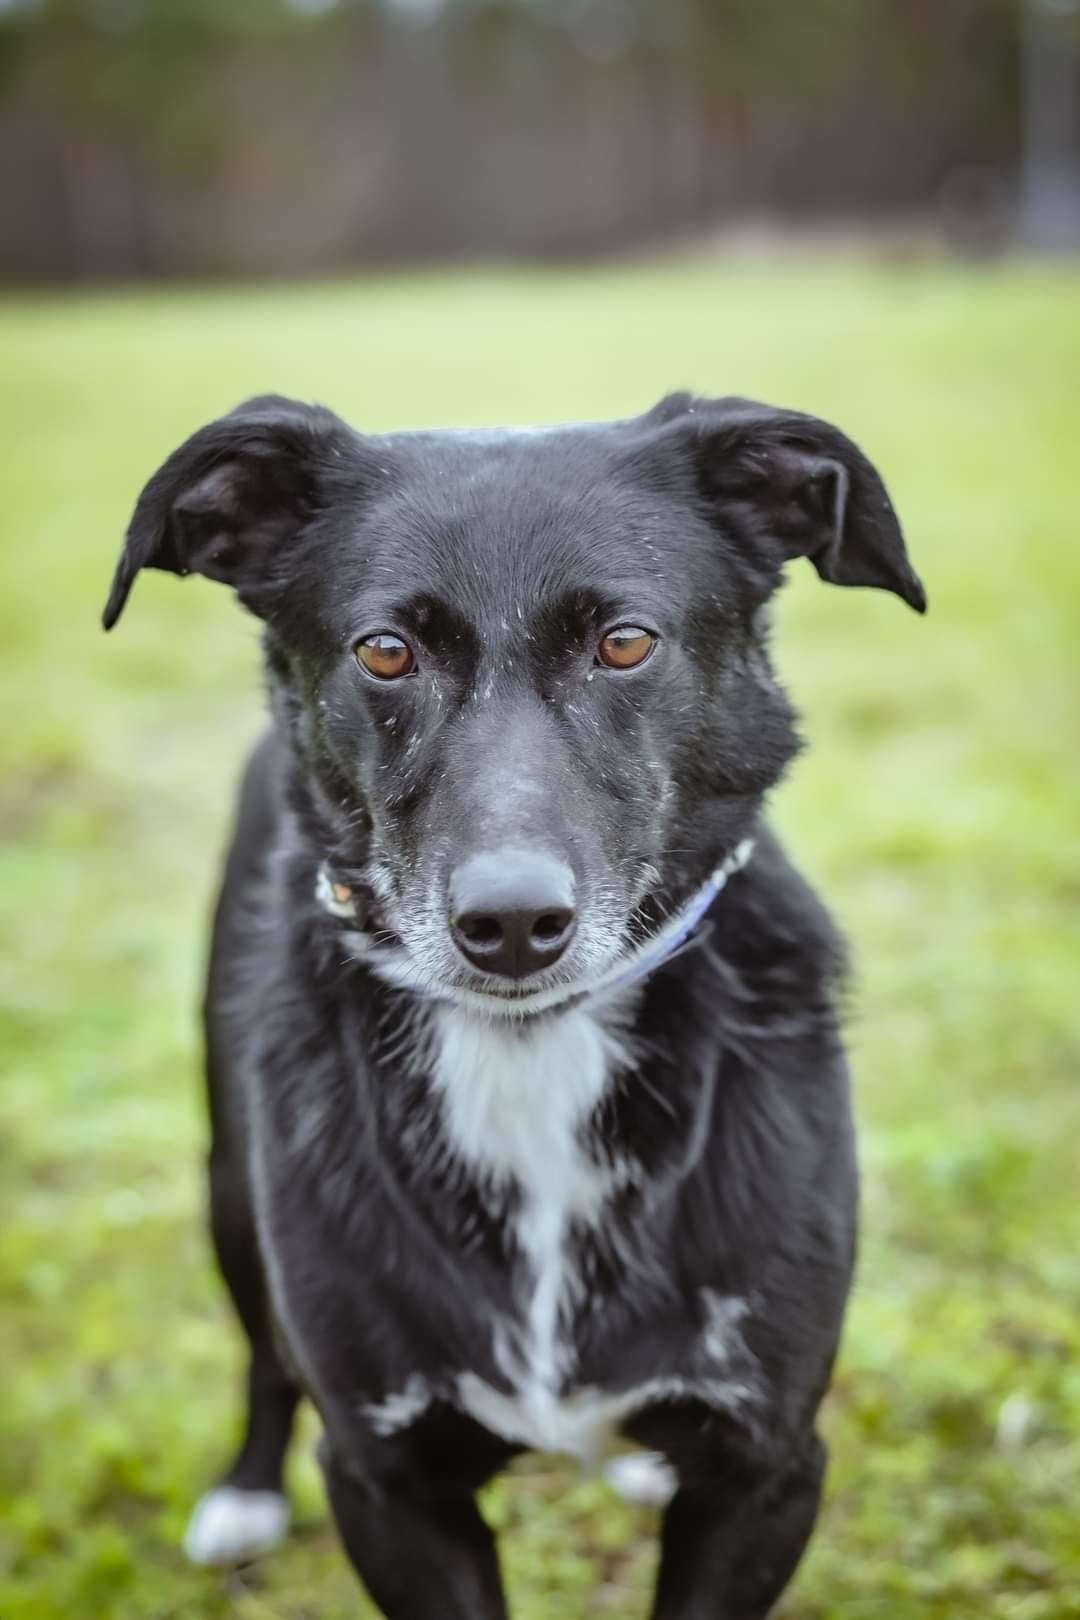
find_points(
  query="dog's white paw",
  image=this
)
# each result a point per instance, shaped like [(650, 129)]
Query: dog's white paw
[(643, 1477), (230, 1526)]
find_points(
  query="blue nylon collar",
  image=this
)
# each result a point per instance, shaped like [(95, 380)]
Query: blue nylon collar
[(677, 932)]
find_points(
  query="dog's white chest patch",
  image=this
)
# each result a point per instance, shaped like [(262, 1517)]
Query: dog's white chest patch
[(515, 1103)]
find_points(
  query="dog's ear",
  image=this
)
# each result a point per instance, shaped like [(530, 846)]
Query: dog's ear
[(224, 503), (797, 485)]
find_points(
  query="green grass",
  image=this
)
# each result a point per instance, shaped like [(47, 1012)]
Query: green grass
[(939, 811)]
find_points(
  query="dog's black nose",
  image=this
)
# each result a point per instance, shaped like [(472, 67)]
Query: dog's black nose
[(512, 911)]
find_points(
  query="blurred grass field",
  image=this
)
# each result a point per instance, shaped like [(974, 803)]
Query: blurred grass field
[(938, 810)]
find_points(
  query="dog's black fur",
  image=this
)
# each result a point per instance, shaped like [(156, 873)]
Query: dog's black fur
[(361, 1251)]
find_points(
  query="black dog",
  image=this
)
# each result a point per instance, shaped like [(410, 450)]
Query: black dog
[(509, 1150)]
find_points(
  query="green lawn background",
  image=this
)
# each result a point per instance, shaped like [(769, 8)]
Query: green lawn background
[(939, 811)]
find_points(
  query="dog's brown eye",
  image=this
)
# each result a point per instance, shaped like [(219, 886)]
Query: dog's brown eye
[(385, 656), (626, 646)]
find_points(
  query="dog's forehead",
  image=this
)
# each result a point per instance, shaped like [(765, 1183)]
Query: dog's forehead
[(518, 516), (518, 477)]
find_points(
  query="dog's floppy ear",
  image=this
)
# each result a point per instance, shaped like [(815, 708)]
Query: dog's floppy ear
[(799, 484), (223, 503)]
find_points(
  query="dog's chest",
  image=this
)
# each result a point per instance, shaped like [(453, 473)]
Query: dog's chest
[(516, 1104)]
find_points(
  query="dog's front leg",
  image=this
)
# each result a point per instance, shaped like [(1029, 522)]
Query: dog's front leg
[(421, 1555), (729, 1549)]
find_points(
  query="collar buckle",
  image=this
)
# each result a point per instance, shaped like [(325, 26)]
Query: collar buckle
[(339, 899)]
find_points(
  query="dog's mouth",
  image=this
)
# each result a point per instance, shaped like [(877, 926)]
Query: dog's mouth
[(385, 948), (380, 948), (616, 963)]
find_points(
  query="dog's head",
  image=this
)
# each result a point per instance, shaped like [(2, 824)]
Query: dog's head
[(523, 672)]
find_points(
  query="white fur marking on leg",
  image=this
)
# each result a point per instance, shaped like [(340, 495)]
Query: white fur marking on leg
[(642, 1477), (398, 1411), (231, 1526)]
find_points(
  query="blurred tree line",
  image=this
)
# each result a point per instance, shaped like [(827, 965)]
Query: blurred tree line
[(171, 137)]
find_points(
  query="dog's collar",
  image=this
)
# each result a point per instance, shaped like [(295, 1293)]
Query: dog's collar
[(340, 900), (677, 932)]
